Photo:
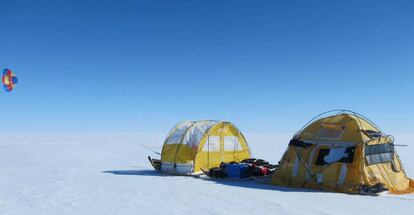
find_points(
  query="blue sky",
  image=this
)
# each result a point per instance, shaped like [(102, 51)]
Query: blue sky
[(142, 66)]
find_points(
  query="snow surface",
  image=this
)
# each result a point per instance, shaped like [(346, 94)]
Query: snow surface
[(110, 174)]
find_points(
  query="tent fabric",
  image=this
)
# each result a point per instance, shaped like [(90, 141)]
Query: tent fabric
[(191, 147), (177, 132), (195, 133), (342, 153)]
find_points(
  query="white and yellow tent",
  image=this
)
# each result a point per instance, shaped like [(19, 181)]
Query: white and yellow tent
[(191, 147), (344, 152)]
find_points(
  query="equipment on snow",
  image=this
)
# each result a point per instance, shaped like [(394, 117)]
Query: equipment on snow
[(155, 163)]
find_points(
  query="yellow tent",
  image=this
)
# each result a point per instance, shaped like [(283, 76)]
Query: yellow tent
[(191, 147), (344, 152)]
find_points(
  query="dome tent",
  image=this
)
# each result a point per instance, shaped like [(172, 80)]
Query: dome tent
[(193, 146), (343, 152)]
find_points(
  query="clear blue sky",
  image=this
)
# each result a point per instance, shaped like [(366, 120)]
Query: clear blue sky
[(144, 65)]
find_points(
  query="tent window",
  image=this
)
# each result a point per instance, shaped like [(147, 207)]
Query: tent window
[(333, 155), (331, 131), (231, 143), (212, 144), (379, 153)]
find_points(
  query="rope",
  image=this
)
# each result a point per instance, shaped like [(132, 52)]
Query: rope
[(149, 149)]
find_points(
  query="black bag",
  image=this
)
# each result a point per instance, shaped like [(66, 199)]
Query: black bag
[(217, 173), (249, 160)]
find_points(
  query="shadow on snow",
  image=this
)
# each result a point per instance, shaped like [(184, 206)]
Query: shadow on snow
[(249, 184), (135, 172)]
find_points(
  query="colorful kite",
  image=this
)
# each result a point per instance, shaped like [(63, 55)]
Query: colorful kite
[(9, 80)]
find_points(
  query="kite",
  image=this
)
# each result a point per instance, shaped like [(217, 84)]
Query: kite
[(9, 80)]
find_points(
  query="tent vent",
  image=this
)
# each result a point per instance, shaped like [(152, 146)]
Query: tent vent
[(372, 134), (299, 143)]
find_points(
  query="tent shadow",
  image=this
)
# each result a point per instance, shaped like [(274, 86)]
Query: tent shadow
[(135, 172), (262, 186), (251, 184)]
